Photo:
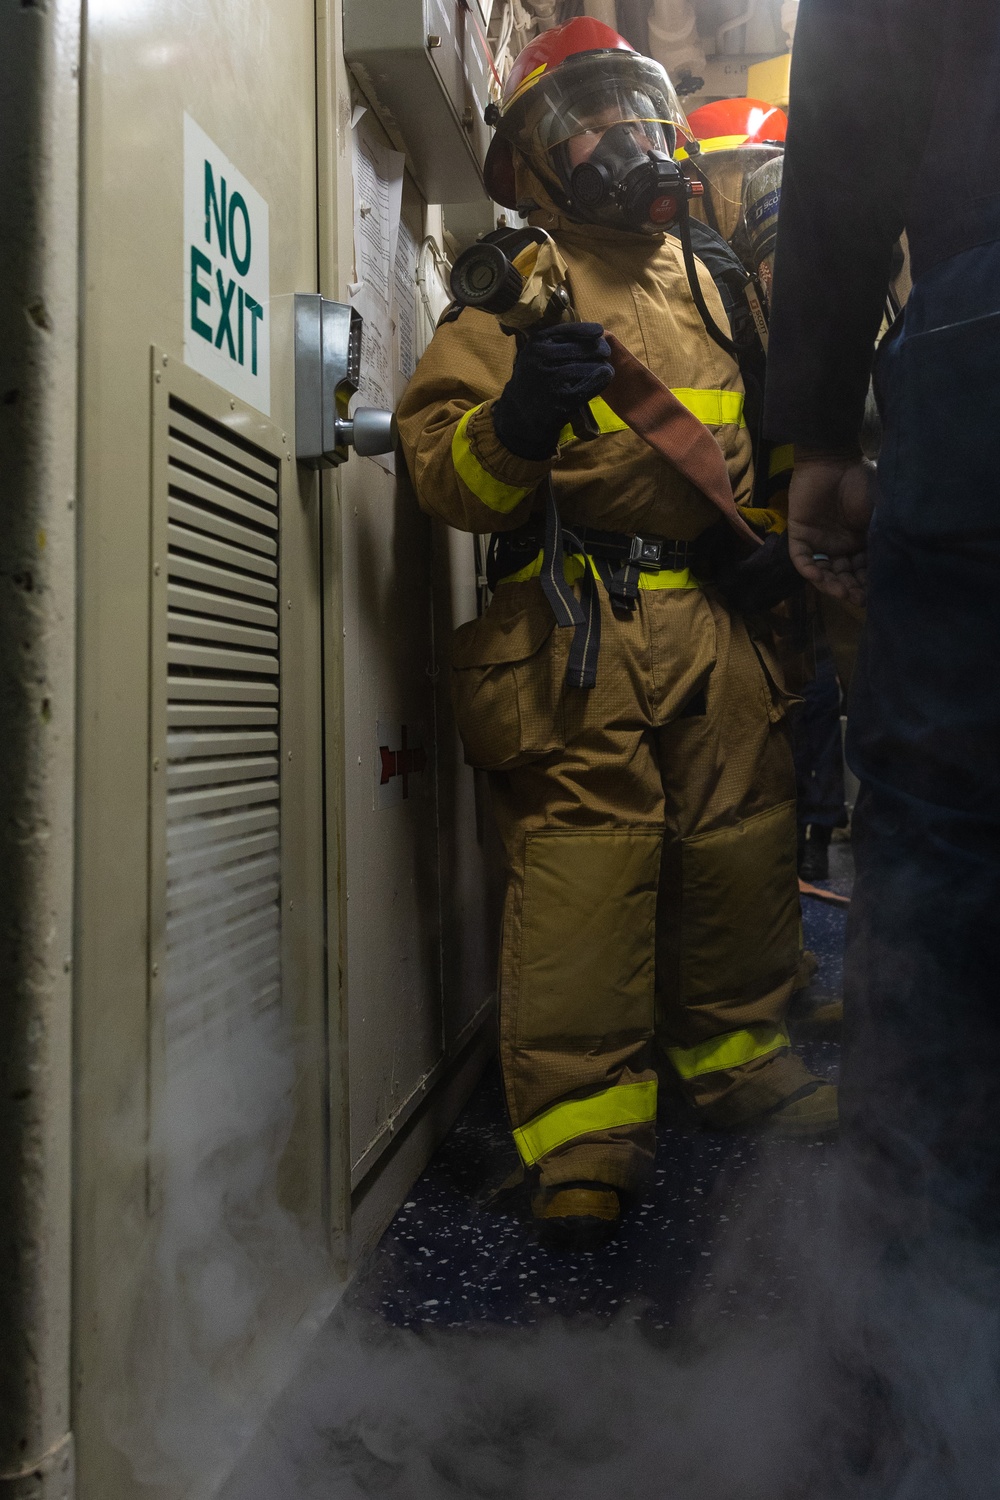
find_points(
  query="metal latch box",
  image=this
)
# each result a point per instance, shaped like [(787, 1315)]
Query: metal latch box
[(327, 368), (425, 66)]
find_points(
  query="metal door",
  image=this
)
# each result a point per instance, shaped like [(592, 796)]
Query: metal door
[(202, 1064)]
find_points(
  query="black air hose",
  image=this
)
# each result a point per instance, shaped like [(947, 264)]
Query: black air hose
[(711, 326)]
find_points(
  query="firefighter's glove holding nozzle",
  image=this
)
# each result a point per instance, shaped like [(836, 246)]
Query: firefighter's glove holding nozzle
[(556, 372)]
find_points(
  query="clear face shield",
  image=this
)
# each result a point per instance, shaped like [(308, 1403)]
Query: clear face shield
[(615, 107), (578, 129)]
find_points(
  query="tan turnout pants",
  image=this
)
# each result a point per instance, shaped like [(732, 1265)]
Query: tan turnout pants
[(649, 828)]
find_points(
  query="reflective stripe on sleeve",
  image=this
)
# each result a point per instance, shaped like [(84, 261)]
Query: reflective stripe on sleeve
[(492, 492), (625, 1104), (729, 1051)]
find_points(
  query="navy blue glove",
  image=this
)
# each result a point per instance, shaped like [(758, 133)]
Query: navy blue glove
[(557, 371), (749, 583)]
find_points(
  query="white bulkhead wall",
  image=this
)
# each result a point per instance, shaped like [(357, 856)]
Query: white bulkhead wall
[(284, 966), (418, 894)]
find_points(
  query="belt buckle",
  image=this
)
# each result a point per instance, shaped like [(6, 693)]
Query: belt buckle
[(645, 553)]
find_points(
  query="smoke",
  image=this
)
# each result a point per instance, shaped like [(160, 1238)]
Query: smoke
[(227, 1261), (821, 1360), (875, 1379)]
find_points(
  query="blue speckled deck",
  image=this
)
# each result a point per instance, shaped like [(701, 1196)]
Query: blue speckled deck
[(450, 1259)]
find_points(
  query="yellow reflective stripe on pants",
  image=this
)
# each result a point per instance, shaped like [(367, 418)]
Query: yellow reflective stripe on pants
[(731, 1050), (625, 1104), (667, 578), (713, 407), (500, 497)]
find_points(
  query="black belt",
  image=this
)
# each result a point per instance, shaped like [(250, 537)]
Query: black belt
[(619, 558), (510, 551), (650, 554)]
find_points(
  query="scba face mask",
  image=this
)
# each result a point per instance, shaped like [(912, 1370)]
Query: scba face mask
[(628, 181)]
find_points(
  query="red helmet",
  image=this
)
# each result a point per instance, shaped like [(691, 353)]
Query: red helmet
[(737, 122), (559, 85)]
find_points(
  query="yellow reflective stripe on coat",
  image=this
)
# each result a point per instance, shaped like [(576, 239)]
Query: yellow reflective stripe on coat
[(625, 1104), (713, 407), (782, 459), (729, 1051), (492, 492), (606, 420), (666, 578)]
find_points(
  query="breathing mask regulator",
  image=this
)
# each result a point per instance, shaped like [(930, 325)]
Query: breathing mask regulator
[(643, 189)]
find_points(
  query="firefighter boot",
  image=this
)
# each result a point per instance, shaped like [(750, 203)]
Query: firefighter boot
[(808, 1114), (576, 1215), (811, 1015)]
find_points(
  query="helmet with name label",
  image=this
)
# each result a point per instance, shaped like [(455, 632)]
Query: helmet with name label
[(573, 80)]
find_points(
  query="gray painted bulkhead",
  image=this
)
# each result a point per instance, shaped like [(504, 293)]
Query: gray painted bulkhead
[(39, 72)]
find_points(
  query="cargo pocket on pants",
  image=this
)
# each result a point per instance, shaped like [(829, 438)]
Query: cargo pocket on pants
[(587, 936), (777, 698), (739, 906), (507, 672)]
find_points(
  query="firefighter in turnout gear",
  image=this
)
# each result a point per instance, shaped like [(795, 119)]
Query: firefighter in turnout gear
[(648, 818)]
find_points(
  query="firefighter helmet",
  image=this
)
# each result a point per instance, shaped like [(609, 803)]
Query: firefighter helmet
[(573, 79), (729, 123)]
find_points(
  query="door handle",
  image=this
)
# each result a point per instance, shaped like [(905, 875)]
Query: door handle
[(327, 367)]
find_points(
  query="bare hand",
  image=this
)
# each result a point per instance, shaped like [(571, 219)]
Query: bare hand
[(830, 503)]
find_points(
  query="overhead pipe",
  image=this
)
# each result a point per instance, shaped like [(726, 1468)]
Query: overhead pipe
[(674, 39), (602, 10), (728, 27), (789, 16), (544, 12)]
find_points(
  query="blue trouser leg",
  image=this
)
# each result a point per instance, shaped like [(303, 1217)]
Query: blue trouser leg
[(816, 746), (921, 1095)]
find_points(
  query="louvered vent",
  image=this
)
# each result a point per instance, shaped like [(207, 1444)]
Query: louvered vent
[(222, 936)]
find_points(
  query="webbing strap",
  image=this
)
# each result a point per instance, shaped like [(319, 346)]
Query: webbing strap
[(653, 412), (621, 583), (584, 614), (557, 591)]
